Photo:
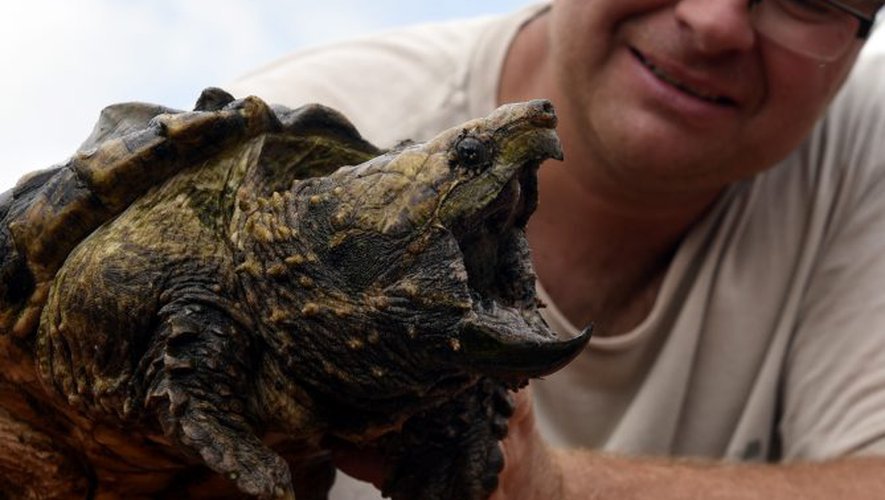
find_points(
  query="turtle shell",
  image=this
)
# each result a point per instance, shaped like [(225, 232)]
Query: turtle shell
[(133, 148)]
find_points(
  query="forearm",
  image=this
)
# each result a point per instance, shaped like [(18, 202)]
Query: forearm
[(588, 475)]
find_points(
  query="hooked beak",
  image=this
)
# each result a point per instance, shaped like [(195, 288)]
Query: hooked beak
[(516, 356)]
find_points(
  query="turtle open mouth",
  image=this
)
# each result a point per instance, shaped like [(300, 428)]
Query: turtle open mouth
[(505, 336), (492, 239), (495, 248)]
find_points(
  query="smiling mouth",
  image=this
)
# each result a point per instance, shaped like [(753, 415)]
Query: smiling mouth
[(701, 94)]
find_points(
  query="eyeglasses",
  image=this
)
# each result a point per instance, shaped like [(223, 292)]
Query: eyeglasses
[(819, 29)]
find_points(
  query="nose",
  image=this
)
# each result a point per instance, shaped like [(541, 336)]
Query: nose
[(541, 113), (716, 26)]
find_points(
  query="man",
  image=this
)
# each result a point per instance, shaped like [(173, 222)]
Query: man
[(727, 243)]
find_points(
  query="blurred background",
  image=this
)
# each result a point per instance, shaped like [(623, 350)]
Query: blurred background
[(63, 61)]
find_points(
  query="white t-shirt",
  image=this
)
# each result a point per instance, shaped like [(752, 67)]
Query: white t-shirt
[(767, 339)]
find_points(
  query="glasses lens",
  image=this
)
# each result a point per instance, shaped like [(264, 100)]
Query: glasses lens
[(813, 28)]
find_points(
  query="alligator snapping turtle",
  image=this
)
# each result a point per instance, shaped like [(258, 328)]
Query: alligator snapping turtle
[(239, 286)]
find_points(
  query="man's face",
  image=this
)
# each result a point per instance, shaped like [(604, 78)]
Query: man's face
[(682, 95)]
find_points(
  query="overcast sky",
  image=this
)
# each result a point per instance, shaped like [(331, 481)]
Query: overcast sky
[(62, 61)]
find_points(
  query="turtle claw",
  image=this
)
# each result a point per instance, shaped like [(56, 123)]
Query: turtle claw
[(256, 470), (230, 448), (200, 406)]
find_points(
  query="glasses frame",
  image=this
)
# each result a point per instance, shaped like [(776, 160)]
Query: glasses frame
[(866, 22)]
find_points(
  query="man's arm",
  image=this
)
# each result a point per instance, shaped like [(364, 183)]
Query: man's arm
[(589, 475), (536, 471)]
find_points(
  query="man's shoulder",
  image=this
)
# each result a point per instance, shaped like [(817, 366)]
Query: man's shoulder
[(425, 48), (846, 149), (380, 80), (865, 88)]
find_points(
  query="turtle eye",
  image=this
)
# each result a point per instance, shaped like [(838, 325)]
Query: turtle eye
[(472, 153)]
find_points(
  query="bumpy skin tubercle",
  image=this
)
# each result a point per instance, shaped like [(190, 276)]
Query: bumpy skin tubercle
[(236, 285), (458, 441)]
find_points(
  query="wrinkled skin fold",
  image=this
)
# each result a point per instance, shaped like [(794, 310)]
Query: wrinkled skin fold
[(198, 302)]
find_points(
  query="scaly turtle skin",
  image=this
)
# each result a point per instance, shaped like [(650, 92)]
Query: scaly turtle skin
[(239, 286)]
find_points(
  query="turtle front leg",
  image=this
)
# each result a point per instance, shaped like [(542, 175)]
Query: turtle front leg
[(452, 451), (197, 378)]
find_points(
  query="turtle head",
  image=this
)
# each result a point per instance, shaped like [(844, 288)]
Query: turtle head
[(436, 233)]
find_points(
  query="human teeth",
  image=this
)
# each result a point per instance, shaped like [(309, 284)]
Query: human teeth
[(707, 96)]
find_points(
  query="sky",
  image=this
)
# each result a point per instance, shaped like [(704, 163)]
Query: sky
[(63, 61)]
